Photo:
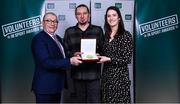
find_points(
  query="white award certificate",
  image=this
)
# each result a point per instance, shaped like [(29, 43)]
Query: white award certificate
[(88, 49)]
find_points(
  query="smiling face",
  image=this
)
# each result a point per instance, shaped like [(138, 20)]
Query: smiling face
[(50, 23), (112, 18), (82, 15)]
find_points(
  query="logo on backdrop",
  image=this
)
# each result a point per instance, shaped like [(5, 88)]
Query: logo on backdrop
[(22, 27), (97, 5), (159, 26)]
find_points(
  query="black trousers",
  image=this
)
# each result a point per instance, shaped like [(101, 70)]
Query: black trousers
[(87, 91), (48, 98)]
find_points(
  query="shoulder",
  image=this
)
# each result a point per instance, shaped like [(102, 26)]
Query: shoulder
[(71, 28), (127, 37), (127, 34), (95, 26), (70, 31), (40, 36)]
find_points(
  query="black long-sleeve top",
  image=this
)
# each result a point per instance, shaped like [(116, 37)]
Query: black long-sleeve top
[(72, 41)]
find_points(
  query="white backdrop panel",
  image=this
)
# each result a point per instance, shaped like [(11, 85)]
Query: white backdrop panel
[(65, 11)]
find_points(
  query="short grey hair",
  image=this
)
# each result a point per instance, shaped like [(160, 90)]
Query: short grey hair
[(52, 13)]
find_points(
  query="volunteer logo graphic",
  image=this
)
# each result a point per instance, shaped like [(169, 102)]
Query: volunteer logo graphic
[(118, 5), (72, 5), (22, 27), (159, 26), (50, 6), (128, 17), (61, 17), (97, 5)]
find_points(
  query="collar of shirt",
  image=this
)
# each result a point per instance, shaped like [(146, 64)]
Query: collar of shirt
[(90, 26), (51, 35)]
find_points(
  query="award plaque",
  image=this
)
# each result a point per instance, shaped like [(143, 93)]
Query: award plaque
[(88, 50)]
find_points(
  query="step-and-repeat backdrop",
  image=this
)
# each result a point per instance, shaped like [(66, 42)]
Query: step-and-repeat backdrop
[(21, 20), (156, 59)]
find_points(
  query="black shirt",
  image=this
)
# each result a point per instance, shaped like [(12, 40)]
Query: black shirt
[(72, 40)]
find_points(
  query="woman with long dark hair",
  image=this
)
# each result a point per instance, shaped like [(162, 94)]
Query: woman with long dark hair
[(117, 54)]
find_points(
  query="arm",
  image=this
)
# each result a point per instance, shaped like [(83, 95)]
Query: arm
[(124, 54), (42, 56), (67, 44), (100, 41)]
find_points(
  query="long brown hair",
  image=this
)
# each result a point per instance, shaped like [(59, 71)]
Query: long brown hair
[(107, 28)]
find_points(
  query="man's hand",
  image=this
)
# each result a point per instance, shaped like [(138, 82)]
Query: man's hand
[(75, 60), (78, 53)]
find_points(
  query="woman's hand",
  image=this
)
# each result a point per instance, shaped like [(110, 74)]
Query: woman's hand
[(103, 59)]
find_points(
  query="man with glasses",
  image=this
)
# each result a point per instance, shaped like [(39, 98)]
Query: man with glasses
[(50, 62)]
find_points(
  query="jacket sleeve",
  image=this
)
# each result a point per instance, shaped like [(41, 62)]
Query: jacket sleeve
[(43, 58)]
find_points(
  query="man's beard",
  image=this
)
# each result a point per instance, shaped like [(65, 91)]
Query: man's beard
[(83, 23)]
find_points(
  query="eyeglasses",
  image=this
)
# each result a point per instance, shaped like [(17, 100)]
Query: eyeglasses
[(51, 21)]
